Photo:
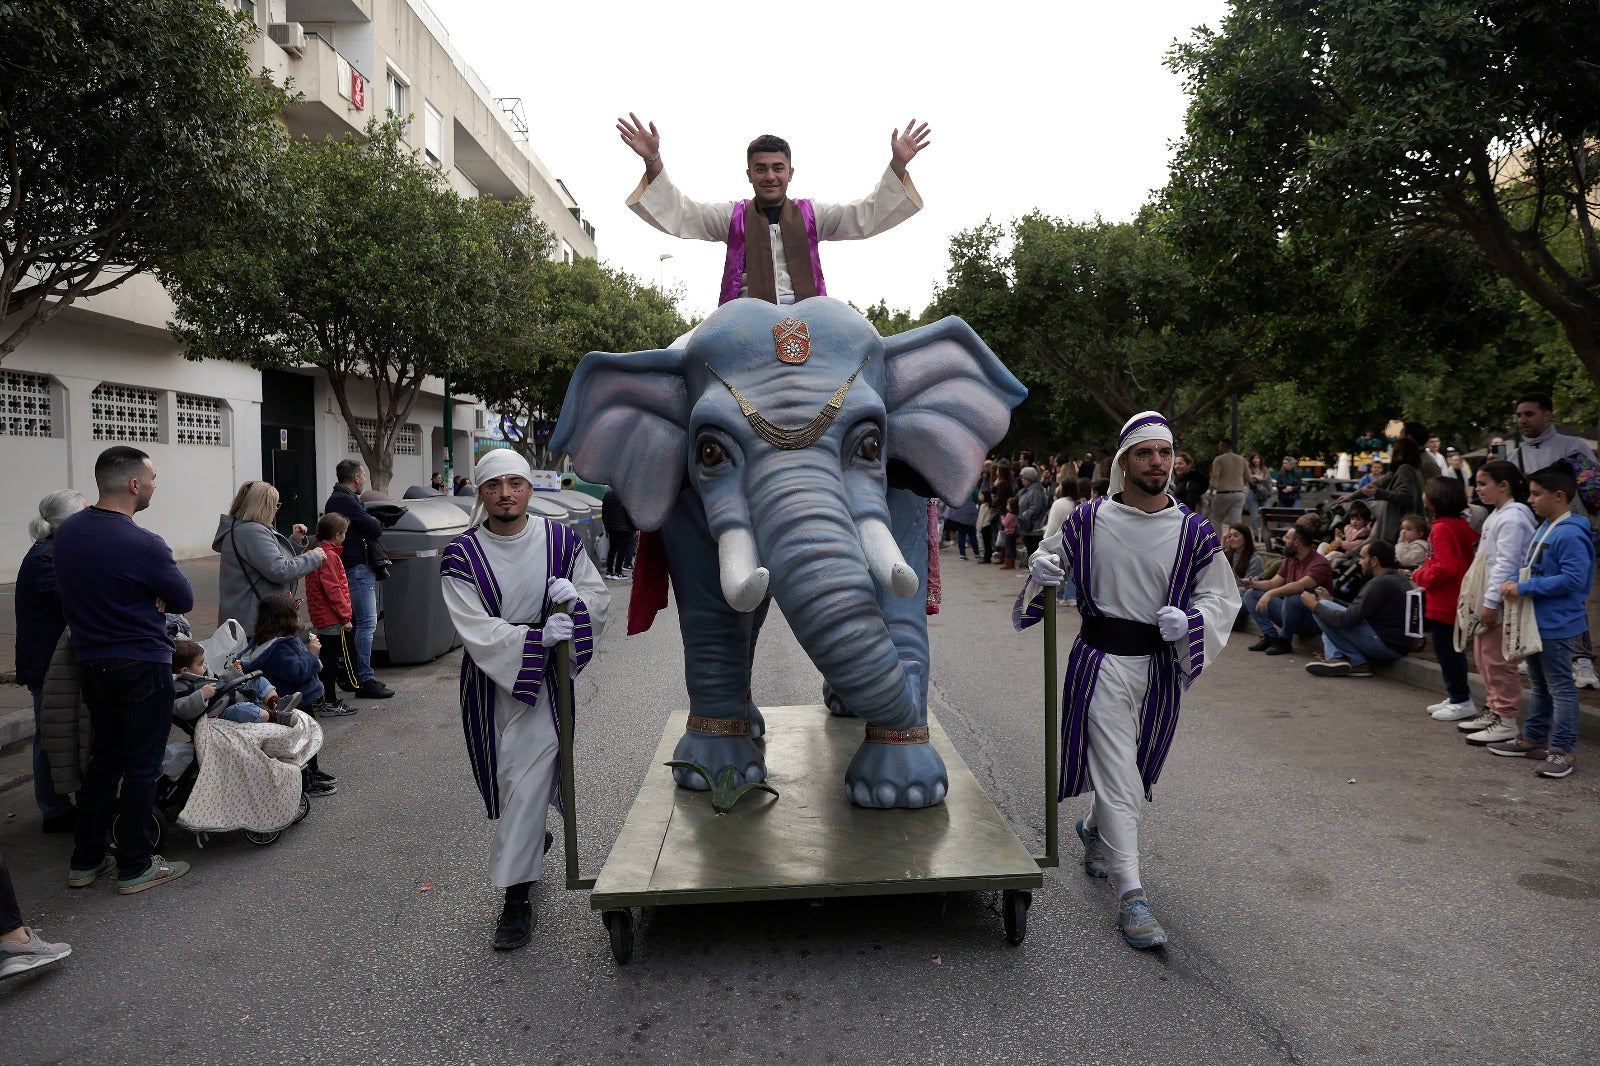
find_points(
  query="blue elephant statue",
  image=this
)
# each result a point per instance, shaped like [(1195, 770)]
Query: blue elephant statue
[(789, 452)]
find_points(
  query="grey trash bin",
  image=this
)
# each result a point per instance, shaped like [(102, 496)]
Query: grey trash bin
[(413, 625), (583, 516)]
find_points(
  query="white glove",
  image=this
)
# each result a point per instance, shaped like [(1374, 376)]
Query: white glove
[(1045, 569), (557, 627), (1172, 622), (561, 591)]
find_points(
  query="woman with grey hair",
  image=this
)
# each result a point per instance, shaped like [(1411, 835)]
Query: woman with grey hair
[(40, 623), (257, 560)]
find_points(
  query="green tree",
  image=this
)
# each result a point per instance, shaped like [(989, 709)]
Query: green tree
[(1319, 124), (567, 310), (1100, 320), (385, 277), (130, 134)]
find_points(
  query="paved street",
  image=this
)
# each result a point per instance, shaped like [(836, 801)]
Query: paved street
[(1345, 882)]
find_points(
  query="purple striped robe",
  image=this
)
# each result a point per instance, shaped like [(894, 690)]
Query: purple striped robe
[(464, 560), (1172, 670)]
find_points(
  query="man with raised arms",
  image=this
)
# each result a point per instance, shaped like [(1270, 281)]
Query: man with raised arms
[(772, 240), (516, 586), (1157, 603)]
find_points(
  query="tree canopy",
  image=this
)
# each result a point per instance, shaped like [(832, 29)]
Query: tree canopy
[(384, 275), (130, 134), (1471, 122)]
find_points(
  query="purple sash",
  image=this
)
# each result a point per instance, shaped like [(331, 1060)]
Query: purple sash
[(1170, 672), (733, 265), (464, 560)]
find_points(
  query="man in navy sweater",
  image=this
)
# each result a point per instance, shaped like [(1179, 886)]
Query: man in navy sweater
[(117, 581), (346, 500)]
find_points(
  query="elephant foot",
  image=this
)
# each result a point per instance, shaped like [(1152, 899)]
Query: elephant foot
[(896, 774), (835, 702), (716, 750), (758, 724)]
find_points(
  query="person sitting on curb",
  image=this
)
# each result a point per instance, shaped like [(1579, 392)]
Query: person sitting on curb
[(1372, 629), (1275, 603)]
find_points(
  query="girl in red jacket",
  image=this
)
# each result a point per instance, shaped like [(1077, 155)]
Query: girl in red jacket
[(1454, 543), (328, 601)]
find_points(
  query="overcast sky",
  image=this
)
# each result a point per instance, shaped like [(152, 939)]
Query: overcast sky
[(1065, 107)]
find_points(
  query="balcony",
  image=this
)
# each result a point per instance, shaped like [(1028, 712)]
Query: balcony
[(327, 105), (329, 10)]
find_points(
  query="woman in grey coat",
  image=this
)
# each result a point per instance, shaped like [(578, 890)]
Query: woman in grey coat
[(257, 560), (1400, 491)]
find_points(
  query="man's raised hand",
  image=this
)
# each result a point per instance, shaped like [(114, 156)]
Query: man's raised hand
[(905, 144), (640, 136)]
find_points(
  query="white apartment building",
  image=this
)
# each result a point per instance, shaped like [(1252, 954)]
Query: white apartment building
[(106, 371)]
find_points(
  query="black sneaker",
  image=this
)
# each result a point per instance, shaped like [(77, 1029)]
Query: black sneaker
[(323, 776), (515, 927), (333, 709), (1281, 647), (1263, 644), (316, 788), (373, 689)]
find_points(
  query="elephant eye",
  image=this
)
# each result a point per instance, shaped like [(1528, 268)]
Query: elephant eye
[(710, 453), (870, 448)]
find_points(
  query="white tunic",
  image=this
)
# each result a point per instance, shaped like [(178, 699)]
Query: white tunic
[(1130, 563), (661, 204), (528, 749)]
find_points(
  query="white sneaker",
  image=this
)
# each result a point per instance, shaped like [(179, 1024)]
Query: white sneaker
[(1583, 673), (1485, 719), (1444, 704), (1501, 729), (1455, 712)]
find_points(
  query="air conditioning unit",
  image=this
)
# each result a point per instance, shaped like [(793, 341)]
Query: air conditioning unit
[(290, 36)]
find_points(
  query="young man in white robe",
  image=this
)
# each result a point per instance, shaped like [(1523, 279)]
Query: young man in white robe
[(782, 264), (516, 585), (1158, 602)]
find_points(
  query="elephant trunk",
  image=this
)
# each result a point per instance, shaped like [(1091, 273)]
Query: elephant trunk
[(809, 541)]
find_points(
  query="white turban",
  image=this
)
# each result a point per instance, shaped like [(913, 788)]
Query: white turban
[(498, 463), (1146, 425)]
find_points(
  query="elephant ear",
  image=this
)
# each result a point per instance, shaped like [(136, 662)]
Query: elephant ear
[(949, 401), (624, 423)]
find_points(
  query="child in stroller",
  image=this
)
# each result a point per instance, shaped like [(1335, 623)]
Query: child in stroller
[(200, 692), (290, 665)]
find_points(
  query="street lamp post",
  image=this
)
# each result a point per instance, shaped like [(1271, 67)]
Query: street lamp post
[(661, 270)]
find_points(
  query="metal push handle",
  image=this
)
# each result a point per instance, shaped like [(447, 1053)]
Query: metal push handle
[(569, 803), (1052, 739)]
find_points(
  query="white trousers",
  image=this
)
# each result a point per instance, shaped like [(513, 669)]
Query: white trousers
[(1113, 735), (529, 755)]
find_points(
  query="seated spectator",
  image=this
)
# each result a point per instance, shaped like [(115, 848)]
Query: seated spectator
[(1239, 548), (1275, 602), (1413, 548), (292, 666), (196, 686), (1372, 629), (1347, 542), (1374, 472)]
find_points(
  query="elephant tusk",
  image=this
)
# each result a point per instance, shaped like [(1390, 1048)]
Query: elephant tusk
[(885, 561), (744, 579)]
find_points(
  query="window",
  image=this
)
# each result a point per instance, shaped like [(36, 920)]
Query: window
[(199, 421), (406, 441), (433, 134), (245, 7), (123, 412), (399, 95), (25, 405)]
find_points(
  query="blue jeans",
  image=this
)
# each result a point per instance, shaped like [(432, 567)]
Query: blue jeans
[(1358, 644), (1285, 617), (130, 706), (1553, 699), (241, 712), (364, 613), (1453, 664), (52, 804), (966, 537)]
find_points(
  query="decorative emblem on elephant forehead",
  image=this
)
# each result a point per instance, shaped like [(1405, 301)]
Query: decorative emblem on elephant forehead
[(793, 340)]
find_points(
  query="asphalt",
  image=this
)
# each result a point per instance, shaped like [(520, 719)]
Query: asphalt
[(1345, 881)]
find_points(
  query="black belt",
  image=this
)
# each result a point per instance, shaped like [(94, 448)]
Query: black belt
[(1121, 636)]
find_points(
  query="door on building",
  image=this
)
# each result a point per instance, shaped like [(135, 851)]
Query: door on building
[(288, 446)]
